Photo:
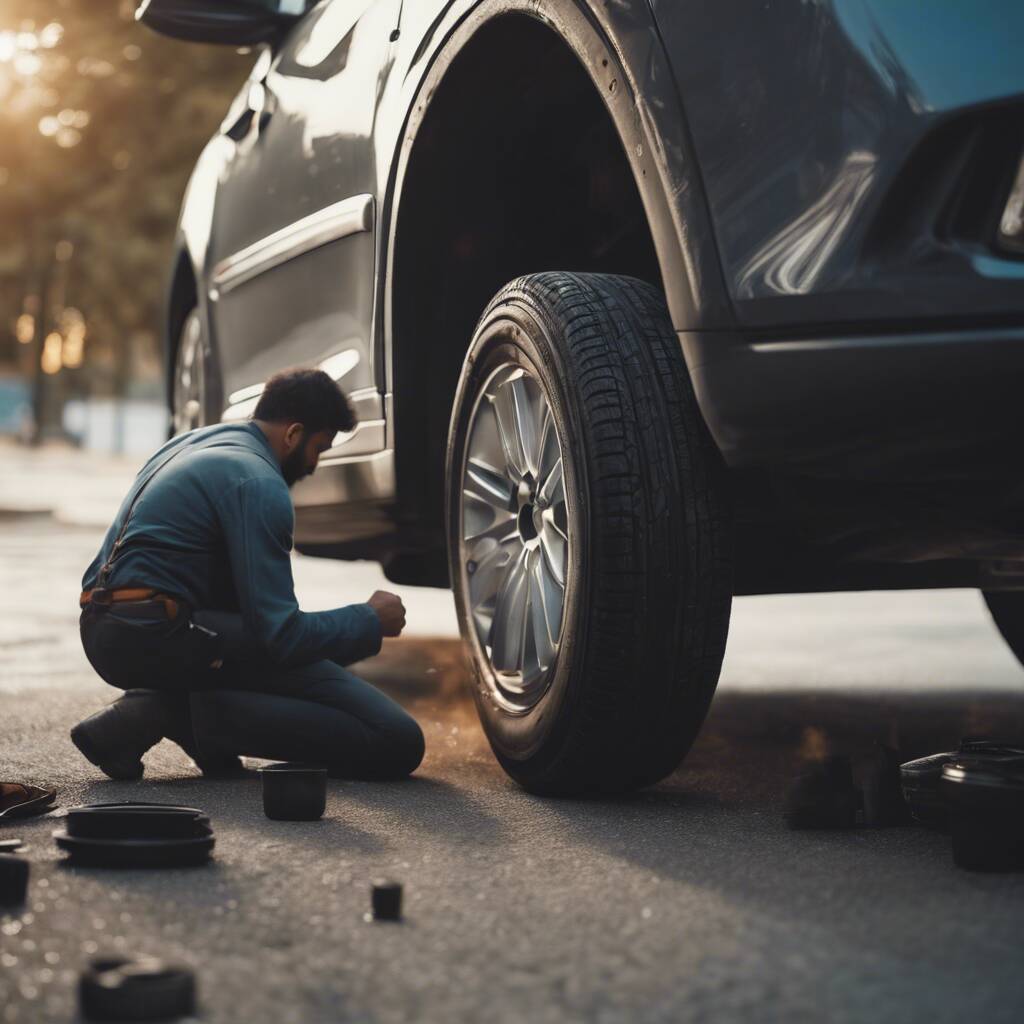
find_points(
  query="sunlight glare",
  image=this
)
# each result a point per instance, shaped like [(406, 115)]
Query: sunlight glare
[(21, 49), (51, 359), (27, 64), (50, 35)]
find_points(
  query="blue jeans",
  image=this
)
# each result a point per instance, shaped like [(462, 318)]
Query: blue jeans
[(318, 712)]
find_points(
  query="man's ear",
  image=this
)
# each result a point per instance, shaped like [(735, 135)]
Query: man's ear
[(293, 435)]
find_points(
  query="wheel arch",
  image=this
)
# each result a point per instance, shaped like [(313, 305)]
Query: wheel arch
[(643, 182)]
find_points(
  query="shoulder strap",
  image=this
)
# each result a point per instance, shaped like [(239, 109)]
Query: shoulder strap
[(104, 572)]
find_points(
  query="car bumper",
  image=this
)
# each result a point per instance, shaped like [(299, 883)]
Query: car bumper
[(912, 406)]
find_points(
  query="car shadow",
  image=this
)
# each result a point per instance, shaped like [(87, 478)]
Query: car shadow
[(716, 824)]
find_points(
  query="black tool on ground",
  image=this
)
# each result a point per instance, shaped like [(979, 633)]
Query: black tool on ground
[(136, 821), (14, 872), (920, 779), (294, 792), (122, 988), (387, 901), (881, 788), (823, 796), (983, 790), (137, 835), (20, 800)]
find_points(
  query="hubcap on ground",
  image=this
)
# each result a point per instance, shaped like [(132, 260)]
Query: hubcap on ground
[(189, 382), (515, 534)]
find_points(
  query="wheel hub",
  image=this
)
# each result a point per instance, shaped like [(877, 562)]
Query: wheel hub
[(528, 528)]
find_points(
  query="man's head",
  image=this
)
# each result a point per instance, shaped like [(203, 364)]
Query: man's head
[(300, 411)]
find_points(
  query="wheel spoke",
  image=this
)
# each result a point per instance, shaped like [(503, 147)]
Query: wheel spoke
[(517, 427), (552, 491), (556, 518), (483, 523), (545, 606), (485, 447), (483, 483), (509, 626), (553, 544), (530, 665), (547, 449), (488, 573)]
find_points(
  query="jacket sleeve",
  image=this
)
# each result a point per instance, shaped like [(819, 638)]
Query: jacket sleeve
[(258, 519)]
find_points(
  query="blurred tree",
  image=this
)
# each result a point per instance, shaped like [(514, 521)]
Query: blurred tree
[(101, 122)]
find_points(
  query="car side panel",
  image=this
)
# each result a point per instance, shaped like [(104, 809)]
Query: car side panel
[(303, 159)]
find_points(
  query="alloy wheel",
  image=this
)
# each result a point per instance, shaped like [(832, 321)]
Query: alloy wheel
[(515, 536)]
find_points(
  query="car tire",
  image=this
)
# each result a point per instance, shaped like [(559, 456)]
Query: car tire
[(195, 390), (612, 698), (1007, 610)]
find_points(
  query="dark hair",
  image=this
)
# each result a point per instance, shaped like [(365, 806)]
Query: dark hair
[(308, 397)]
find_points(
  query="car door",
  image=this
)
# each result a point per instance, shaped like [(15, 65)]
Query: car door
[(292, 251)]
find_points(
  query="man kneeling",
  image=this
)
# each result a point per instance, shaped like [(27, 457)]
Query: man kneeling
[(190, 608)]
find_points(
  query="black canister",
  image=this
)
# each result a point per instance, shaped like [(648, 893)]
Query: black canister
[(294, 792), (984, 795), (14, 873)]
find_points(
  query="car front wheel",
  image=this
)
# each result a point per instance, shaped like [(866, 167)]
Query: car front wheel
[(589, 540), (193, 402)]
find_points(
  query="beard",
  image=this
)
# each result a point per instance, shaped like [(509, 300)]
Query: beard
[(295, 467)]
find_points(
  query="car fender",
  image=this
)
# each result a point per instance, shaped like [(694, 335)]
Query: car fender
[(619, 45)]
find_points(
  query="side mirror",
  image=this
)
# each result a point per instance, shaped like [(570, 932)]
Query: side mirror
[(233, 22)]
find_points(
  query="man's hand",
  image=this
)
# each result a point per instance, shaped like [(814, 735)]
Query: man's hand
[(390, 611)]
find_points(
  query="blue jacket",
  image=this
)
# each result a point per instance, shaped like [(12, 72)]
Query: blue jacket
[(214, 527)]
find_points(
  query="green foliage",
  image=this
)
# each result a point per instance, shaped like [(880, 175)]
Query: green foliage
[(101, 122)]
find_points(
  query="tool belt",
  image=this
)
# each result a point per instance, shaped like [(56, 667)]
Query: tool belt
[(130, 600)]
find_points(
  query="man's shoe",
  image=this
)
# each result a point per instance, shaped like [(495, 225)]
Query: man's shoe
[(115, 738), (122, 767), (224, 767)]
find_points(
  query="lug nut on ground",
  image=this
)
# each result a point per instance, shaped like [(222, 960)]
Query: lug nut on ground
[(387, 901), (136, 989), (13, 879)]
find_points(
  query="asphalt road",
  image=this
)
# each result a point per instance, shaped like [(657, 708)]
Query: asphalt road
[(689, 902)]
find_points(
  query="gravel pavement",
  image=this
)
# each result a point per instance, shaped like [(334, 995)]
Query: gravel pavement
[(689, 902)]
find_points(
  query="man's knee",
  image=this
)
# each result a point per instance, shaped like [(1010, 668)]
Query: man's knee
[(397, 749), (409, 746)]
